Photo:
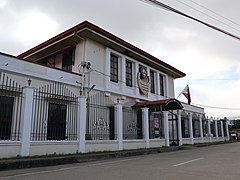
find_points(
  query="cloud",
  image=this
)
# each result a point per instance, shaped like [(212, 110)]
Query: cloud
[(35, 27), (3, 3), (197, 50)]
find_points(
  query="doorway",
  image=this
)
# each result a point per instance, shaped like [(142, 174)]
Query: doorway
[(173, 129)]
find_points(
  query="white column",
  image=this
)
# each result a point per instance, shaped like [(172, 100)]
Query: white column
[(216, 128), (145, 119), (227, 131), (81, 119), (135, 81), (123, 73), (180, 128), (222, 130), (166, 86), (166, 127), (158, 84), (107, 69), (201, 127), (26, 118), (209, 130), (119, 120), (191, 128)]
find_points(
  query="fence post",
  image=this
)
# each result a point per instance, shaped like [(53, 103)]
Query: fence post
[(216, 128), (191, 128), (26, 118), (180, 128), (201, 127), (166, 127), (119, 120), (81, 119), (227, 131), (145, 120), (209, 130), (222, 131)]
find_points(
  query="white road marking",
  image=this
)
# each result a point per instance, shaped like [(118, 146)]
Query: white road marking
[(64, 169), (186, 162)]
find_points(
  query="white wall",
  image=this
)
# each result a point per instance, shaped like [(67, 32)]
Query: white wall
[(9, 149), (101, 145), (134, 144), (58, 147), (95, 54), (153, 143), (79, 56), (34, 71)]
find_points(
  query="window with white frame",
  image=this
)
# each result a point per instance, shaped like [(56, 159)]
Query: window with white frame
[(152, 77), (114, 68), (129, 73), (162, 84)]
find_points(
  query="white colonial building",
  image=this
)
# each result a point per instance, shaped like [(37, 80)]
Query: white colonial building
[(87, 90)]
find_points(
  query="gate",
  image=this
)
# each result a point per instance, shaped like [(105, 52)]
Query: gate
[(173, 129)]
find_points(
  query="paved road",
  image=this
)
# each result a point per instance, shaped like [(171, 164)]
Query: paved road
[(219, 162)]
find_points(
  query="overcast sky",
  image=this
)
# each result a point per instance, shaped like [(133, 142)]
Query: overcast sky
[(210, 59)]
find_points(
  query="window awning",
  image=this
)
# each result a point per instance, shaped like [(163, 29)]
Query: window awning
[(167, 104)]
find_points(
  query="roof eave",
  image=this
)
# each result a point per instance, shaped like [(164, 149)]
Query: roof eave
[(175, 73)]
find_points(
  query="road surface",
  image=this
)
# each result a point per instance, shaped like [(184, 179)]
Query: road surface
[(218, 162)]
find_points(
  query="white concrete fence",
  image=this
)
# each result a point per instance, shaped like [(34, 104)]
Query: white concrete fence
[(27, 147), (40, 76)]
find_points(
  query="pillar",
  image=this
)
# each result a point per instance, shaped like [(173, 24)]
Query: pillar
[(136, 70), (119, 120), (180, 128), (26, 118), (216, 128), (222, 130), (81, 119), (209, 130), (191, 128), (145, 119), (201, 127), (227, 131), (166, 127)]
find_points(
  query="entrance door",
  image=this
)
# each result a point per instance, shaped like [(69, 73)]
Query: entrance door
[(173, 129)]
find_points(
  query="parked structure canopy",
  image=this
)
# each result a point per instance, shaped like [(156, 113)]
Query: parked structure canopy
[(167, 104)]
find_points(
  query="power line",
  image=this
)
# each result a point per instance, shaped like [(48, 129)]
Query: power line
[(164, 6), (208, 15), (218, 79), (217, 107), (215, 114), (215, 13)]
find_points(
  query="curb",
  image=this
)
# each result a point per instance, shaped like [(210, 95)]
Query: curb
[(10, 164)]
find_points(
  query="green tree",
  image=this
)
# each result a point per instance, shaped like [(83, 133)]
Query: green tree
[(236, 124)]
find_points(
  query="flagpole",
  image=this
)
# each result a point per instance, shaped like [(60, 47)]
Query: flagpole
[(179, 95)]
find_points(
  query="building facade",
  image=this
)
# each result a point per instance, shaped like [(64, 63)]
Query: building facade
[(87, 90)]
